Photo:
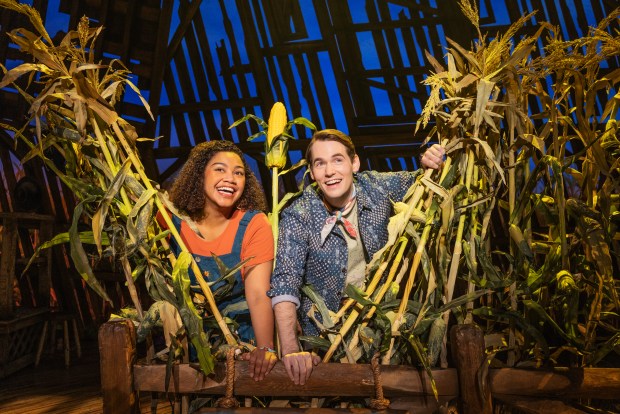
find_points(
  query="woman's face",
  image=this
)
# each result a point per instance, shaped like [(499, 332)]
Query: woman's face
[(224, 181)]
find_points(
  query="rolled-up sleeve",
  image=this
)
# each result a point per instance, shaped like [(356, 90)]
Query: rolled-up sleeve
[(292, 251)]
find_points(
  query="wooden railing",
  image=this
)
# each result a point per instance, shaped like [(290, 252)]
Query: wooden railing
[(122, 378)]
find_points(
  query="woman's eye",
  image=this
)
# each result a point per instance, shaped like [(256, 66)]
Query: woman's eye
[(240, 173)]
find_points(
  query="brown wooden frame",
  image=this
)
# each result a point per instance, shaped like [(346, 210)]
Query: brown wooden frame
[(544, 390)]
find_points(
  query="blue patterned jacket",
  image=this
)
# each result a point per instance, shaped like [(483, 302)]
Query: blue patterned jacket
[(302, 260)]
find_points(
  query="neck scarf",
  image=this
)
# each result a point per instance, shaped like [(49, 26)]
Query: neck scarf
[(338, 216)]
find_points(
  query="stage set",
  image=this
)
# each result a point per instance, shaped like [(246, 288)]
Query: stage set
[(310, 206)]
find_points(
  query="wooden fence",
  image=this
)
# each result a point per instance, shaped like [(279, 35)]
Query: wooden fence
[(474, 387)]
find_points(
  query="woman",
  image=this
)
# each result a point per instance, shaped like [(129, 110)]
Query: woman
[(219, 193)]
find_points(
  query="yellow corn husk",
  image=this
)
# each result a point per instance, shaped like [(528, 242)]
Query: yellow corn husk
[(277, 122), (435, 340), (566, 281), (276, 156)]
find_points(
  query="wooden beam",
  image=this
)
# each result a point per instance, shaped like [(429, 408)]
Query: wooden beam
[(7, 266), (536, 406), (467, 342), (182, 29), (295, 410), (117, 349), (601, 383), (329, 379), (360, 141), (189, 107)]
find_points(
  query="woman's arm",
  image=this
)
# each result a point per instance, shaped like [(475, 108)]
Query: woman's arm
[(257, 282)]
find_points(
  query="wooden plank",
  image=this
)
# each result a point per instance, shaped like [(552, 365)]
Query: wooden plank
[(159, 66), (179, 119), (184, 79), (206, 106), (7, 265), (330, 379), (361, 141), (467, 343), (118, 354), (538, 406), (296, 410), (186, 20), (600, 383), (387, 49), (204, 75)]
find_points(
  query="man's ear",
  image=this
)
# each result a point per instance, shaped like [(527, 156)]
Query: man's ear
[(311, 175), (356, 163)]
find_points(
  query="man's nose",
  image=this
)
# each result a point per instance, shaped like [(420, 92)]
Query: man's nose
[(329, 170)]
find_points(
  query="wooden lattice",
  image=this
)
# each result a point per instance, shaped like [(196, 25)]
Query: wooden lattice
[(19, 338)]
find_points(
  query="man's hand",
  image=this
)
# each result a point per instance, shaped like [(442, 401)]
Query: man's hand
[(299, 366), (433, 157), (261, 362)]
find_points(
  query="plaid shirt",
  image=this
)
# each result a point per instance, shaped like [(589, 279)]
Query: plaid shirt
[(301, 259)]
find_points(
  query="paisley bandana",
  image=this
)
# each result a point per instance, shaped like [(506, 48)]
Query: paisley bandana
[(338, 216)]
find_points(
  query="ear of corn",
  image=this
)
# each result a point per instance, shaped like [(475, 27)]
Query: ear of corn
[(275, 152), (277, 122)]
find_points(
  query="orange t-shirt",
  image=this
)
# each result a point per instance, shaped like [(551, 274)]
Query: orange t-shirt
[(257, 241)]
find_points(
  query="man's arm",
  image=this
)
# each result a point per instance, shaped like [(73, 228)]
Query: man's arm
[(286, 320), (298, 364)]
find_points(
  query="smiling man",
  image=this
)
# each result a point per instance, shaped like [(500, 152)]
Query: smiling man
[(329, 234)]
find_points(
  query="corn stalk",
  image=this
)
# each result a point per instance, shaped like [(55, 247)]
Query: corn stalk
[(74, 115), (479, 104), (277, 136)]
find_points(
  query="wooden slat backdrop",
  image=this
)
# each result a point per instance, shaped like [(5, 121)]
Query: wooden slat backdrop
[(216, 61)]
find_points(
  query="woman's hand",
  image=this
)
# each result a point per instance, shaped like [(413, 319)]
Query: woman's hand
[(261, 360)]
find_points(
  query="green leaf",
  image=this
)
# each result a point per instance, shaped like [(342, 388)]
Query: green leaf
[(78, 255), (258, 120), (191, 319), (418, 349), (300, 121), (100, 215), (316, 342), (318, 300)]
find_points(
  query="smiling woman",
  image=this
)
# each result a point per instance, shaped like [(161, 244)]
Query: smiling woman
[(224, 206)]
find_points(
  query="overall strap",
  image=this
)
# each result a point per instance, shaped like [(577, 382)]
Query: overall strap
[(243, 225), (176, 220)]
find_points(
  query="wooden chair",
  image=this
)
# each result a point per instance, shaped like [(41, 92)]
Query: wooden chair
[(53, 322)]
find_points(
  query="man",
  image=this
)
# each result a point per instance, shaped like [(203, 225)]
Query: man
[(329, 234)]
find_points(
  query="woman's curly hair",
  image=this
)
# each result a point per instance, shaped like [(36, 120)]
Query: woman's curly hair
[(187, 193)]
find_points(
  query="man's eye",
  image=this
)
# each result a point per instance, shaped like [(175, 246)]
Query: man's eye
[(338, 161)]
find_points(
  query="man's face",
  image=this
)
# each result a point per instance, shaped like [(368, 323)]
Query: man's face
[(332, 169)]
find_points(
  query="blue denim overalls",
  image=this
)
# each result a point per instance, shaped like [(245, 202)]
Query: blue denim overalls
[(208, 264)]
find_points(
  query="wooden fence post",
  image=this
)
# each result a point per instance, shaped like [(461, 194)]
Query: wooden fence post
[(467, 343), (117, 351)]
